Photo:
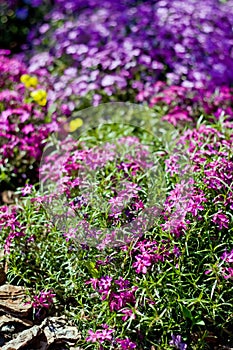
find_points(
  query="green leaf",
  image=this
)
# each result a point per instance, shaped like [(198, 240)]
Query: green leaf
[(199, 323), (51, 110), (186, 312), (91, 268)]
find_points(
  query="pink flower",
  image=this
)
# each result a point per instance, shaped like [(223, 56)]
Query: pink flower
[(106, 334), (229, 270), (93, 336), (27, 190), (100, 335), (128, 313), (70, 234), (126, 344), (44, 299), (93, 282), (142, 263), (227, 257), (193, 207), (221, 220)]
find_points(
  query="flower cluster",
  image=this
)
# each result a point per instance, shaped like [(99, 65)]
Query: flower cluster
[(100, 335), (8, 220), (184, 199), (122, 246), (149, 253), (177, 342), (157, 40), (207, 159), (106, 335), (227, 258), (24, 123), (118, 293), (75, 173), (43, 300), (183, 104)]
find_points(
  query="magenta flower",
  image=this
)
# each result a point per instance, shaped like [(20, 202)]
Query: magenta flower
[(93, 281), (143, 261), (128, 313), (220, 219), (106, 334), (100, 336), (227, 257), (229, 271), (105, 283), (123, 284), (10, 238), (93, 336), (126, 344), (43, 300), (71, 234), (27, 190)]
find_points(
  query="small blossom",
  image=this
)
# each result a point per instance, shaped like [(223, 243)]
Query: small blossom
[(93, 336), (39, 96), (29, 81), (128, 313), (27, 190), (221, 220), (43, 300), (177, 342), (126, 344)]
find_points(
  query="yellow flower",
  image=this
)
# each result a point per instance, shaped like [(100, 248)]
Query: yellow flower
[(29, 81), (75, 124), (39, 96)]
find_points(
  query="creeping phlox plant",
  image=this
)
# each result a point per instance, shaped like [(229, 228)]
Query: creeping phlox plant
[(25, 122), (114, 50), (170, 284), (129, 237), (112, 179)]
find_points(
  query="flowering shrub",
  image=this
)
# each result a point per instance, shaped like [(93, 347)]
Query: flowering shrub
[(25, 123), (180, 104), (135, 259), (115, 49), (169, 279)]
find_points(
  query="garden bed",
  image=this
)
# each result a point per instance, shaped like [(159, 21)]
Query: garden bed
[(116, 172)]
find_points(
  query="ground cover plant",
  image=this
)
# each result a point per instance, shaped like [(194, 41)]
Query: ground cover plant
[(123, 222)]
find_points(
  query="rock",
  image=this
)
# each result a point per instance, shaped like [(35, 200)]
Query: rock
[(8, 197), (52, 333), (12, 300), (23, 339), (6, 319), (56, 329)]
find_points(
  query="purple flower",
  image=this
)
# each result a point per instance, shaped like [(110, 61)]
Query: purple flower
[(70, 234), (142, 263), (43, 300), (126, 344), (227, 257), (22, 13), (229, 271), (36, 3), (100, 336), (93, 336), (94, 282), (177, 342), (220, 219), (128, 313)]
